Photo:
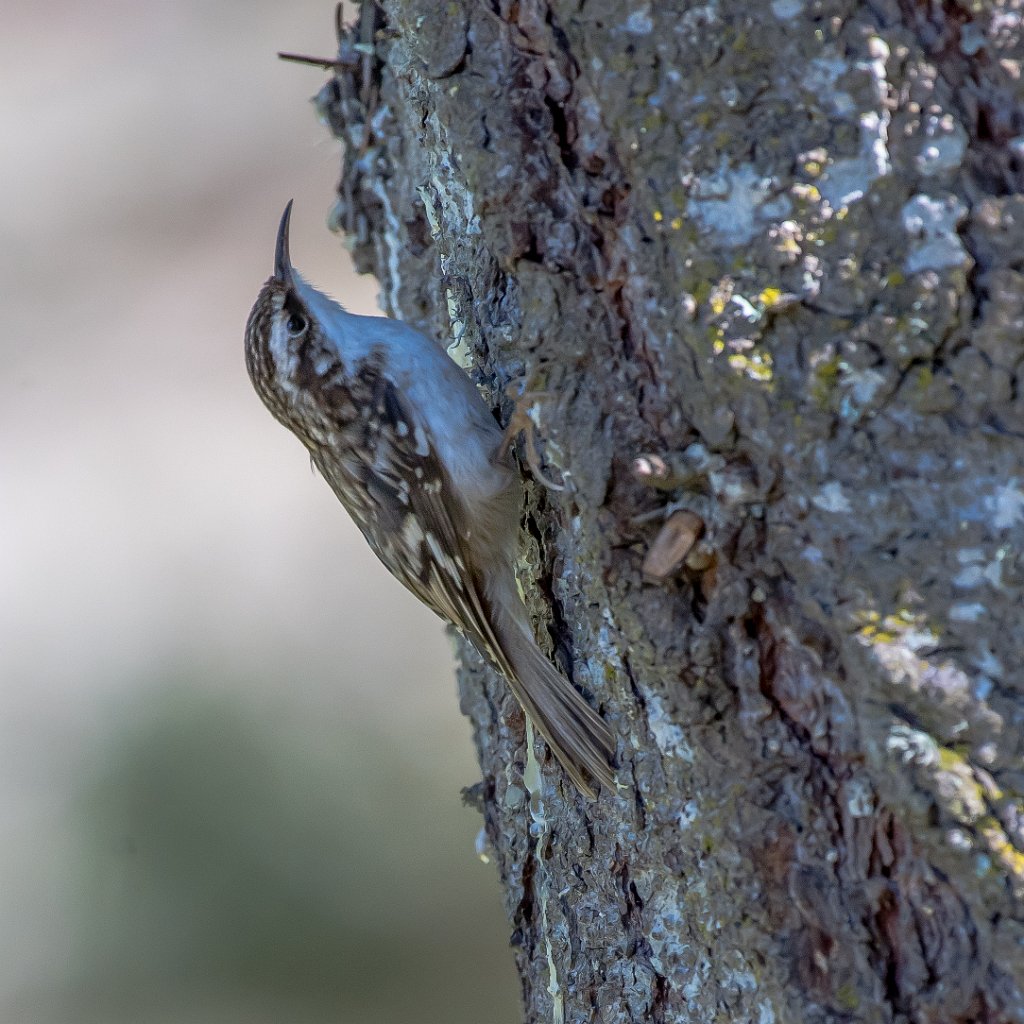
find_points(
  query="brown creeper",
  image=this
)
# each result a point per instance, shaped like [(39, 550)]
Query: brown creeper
[(411, 450)]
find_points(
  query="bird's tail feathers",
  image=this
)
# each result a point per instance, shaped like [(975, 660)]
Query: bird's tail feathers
[(577, 735)]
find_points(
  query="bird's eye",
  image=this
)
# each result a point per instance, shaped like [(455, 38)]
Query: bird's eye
[(296, 324)]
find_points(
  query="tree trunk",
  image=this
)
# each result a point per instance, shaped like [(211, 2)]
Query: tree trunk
[(762, 267)]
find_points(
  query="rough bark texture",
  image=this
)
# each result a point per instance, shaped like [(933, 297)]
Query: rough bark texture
[(781, 246)]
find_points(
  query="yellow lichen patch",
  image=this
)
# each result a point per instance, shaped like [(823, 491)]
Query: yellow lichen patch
[(802, 190), (658, 216), (958, 789), (893, 627), (1008, 856), (823, 382), (756, 365), (774, 299), (964, 791), (846, 997), (720, 295), (789, 244), (950, 759)]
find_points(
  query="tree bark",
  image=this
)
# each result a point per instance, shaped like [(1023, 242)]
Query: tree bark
[(774, 252)]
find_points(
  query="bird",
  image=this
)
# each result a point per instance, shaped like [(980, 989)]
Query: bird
[(416, 457)]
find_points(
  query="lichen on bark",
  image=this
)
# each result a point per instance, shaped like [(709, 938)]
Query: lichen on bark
[(783, 245)]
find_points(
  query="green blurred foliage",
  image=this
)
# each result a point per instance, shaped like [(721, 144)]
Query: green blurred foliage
[(228, 871)]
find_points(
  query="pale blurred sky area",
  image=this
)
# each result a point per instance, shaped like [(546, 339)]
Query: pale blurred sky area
[(230, 745)]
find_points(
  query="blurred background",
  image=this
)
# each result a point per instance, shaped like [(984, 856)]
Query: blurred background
[(230, 744)]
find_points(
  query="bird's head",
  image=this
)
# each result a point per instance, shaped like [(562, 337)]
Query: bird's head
[(287, 348)]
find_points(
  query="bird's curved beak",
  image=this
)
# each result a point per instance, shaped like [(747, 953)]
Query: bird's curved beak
[(282, 258)]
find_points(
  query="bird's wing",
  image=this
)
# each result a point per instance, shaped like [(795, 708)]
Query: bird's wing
[(419, 529), (414, 520)]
